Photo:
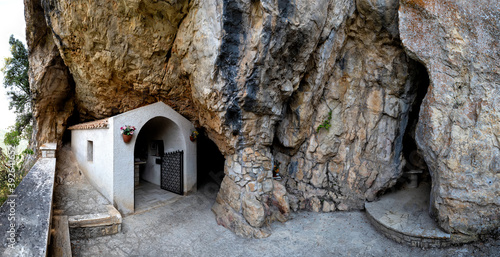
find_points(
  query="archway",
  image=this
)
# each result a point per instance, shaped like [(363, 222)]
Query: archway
[(164, 120), (157, 137)]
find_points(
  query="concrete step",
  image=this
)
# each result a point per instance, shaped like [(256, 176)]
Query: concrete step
[(403, 216), (95, 225)]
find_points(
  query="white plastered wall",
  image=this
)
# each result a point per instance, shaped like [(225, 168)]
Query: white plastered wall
[(123, 161), (99, 171)]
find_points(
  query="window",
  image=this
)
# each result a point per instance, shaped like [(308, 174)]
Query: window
[(90, 151)]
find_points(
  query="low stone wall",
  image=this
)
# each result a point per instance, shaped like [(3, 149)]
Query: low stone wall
[(410, 240), (25, 216)]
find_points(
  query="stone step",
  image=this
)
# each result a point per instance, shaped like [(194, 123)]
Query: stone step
[(60, 242), (95, 225), (403, 216)]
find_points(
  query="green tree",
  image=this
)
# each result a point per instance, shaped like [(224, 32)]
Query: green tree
[(12, 170), (3, 176), (16, 82), (12, 138)]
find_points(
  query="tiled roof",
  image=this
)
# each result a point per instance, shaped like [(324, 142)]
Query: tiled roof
[(97, 124)]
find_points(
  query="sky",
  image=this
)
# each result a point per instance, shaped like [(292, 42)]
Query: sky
[(11, 23)]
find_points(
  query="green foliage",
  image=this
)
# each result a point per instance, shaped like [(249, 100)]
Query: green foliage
[(28, 151), (12, 138), (12, 171), (16, 82), (14, 165), (326, 123), (3, 176), (23, 124)]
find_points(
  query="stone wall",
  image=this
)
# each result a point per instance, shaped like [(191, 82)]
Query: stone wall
[(27, 212)]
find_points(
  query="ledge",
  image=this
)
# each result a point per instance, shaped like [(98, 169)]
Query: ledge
[(28, 213), (95, 225), (403, 216)]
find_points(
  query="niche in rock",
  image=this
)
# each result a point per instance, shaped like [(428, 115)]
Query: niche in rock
[(210, 163), (415, 171)]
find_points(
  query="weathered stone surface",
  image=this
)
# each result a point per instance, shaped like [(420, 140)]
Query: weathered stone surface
[(60, 239), (227, 217), (51, 83), (364, 87), (459, 128), (25, 216), (128, 44), (253, 211), (96, 224), (280, 197)]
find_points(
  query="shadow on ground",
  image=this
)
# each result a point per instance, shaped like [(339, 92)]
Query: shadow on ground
[(187, 227)]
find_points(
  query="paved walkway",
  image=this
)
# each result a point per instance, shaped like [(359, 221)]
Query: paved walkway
[(73, 194), (187, 227), (149, 196)]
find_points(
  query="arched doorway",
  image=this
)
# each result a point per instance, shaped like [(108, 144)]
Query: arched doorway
[(157, 137), (159, 129)]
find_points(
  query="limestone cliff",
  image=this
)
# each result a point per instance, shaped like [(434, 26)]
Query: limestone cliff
[(262, 76), (459, 126)]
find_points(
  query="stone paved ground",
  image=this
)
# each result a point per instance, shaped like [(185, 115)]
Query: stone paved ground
[(404, 216), (187, 227), (73, 194)]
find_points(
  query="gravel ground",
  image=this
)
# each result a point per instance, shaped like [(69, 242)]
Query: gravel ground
[(187, 227)]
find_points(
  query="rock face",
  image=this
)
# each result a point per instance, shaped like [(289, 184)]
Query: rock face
[(321, 90), (50, 80), (459, 126), (363, 85)]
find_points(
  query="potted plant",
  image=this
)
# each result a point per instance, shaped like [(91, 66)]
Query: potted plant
[(127, 132), (194, 135)]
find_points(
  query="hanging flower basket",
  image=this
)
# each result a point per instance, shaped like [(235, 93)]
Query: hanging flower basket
[(126, 138), (127, 132), (194, 135)]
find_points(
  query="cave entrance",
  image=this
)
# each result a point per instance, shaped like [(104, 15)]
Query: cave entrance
[(404, 213), (415, 171), (210, 162)]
